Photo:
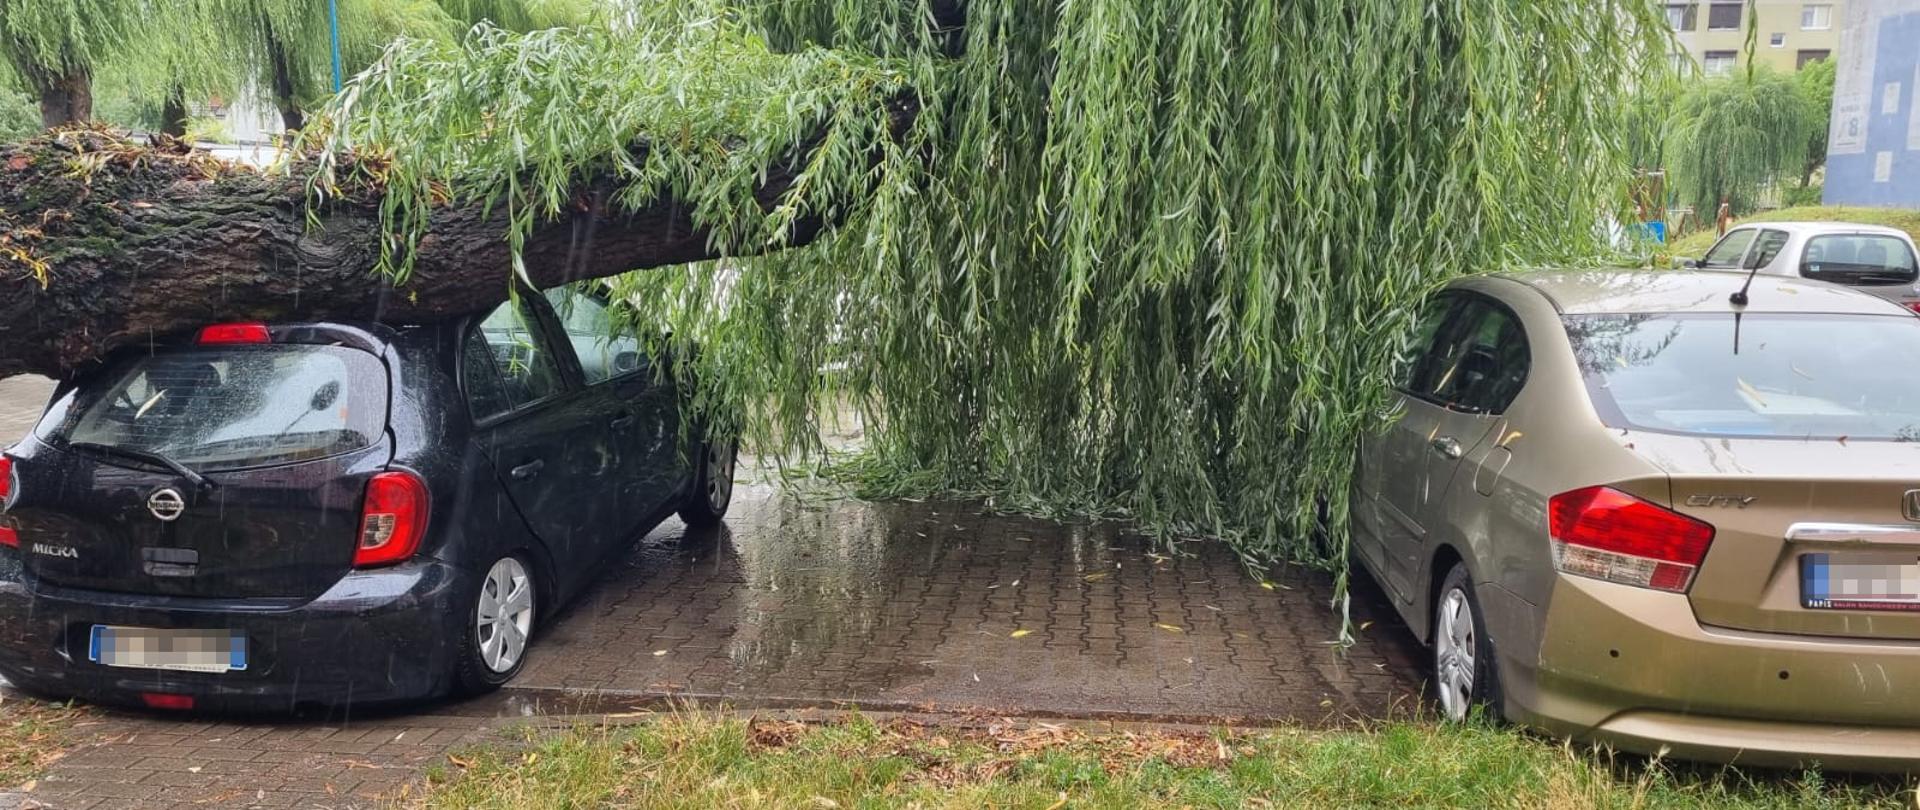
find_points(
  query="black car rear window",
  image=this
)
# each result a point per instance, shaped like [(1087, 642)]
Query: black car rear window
[(229, 407)]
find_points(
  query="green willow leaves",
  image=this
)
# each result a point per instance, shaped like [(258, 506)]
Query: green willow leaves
[(1146, 259), (1733, 137)]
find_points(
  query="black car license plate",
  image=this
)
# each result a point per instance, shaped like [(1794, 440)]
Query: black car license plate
[(179, 650)]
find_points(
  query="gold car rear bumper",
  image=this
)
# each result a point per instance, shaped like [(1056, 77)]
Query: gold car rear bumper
[(1762, 743), (1632, 667)]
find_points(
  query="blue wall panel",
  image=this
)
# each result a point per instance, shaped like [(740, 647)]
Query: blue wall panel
[(1851, 178)]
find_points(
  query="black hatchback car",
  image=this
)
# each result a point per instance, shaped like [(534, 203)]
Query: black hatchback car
[(261, 517)]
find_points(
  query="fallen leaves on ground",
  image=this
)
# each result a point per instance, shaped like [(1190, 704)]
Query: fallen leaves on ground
[(33, 735)]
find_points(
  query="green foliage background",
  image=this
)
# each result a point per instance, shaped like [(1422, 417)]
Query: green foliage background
[(1148, 259), (140, 52), (1733, 136), (19, 116)]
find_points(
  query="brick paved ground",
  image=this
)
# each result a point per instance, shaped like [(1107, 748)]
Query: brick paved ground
[(905, 607), (918, 606)]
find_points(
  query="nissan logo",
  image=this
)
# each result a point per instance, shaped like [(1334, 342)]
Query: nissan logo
[(166, 504)]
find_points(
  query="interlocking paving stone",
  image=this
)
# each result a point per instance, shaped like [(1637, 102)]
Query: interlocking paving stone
[(891, 606)]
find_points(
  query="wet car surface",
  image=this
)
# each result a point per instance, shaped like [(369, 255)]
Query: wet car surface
[(1669, 511), (270, 517)]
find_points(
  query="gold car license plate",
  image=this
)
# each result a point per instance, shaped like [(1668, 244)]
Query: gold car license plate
[(1859, 582), (178, 650)]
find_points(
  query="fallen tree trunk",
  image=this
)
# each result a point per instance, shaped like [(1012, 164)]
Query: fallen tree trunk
[(106, 243)]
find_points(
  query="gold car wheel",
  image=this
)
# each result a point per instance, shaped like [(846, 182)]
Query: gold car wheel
[(1454, 645)]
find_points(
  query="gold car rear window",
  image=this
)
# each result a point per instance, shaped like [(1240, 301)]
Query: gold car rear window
[(1759, 375)]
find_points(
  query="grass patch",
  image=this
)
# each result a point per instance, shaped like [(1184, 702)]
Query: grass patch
[(694, 760), (1695, 244), (32, 735)]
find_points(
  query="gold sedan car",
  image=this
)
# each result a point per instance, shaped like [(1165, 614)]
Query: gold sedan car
[(1622, 507)]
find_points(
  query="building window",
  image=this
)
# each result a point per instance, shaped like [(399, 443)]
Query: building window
[(1683, 16), (1682, 63), (1724, 17), (1809, 57), (1719, 63), (1816, 17), (1778, 41)]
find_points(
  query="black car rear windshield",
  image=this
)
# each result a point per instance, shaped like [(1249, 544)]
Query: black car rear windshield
[(229, 407), (1859, 259), (1788, 376)]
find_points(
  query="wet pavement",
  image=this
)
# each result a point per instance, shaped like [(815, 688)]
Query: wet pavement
[(909, 606), (821, 603)]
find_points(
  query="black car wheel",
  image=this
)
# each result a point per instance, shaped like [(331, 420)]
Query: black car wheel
[(707, 500), (499, 625), (1463, 665)]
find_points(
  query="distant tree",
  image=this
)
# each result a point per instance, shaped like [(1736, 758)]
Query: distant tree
[(1815, 83), (18, 118), (1733, 137), (54, 46)]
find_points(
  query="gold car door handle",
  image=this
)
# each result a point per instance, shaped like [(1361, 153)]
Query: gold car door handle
[(1446, 446)]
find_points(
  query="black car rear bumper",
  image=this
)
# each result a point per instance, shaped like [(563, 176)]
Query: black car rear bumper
[(376, 636)]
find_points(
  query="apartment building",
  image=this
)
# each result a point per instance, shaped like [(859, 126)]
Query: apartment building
[(1713, 34)]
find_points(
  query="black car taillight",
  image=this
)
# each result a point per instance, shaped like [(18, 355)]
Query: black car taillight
[(393, 521)]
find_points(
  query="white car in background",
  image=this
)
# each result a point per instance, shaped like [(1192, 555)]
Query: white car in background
[(1877, 260)]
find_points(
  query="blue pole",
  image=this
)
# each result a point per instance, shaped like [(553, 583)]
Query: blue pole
[(333, 23)]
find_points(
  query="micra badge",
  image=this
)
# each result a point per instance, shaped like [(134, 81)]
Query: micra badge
[(68, 552), (1735, 501)]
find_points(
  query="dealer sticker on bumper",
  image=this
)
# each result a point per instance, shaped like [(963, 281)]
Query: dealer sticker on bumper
[(179, 650)]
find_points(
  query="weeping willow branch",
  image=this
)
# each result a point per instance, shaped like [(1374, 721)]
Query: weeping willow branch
[(1150, 259)]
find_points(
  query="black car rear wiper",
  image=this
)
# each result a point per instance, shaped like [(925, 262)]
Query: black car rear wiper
[(146, 457)]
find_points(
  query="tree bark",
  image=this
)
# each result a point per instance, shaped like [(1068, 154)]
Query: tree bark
[(285, 98), (66, 98), (105, 243), (173, 114)]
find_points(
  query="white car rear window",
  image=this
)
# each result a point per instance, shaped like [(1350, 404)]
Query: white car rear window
[(1861, 259)]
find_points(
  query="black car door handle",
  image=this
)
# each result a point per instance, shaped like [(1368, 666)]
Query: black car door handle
[(528, 470), (622, 419)]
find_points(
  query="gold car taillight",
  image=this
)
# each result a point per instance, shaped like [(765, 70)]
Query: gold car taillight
[(1607, 534)]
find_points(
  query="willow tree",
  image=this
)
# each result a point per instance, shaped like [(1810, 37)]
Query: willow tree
[(1815, 84), (1150, 259), (1734, 137), (53, 47)]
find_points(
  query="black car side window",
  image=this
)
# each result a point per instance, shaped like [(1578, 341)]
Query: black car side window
[(486, 394), (1485, 360), (520, 355), (591, 327)]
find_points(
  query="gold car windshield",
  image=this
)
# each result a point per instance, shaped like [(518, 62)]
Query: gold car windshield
[(1761, 375)]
